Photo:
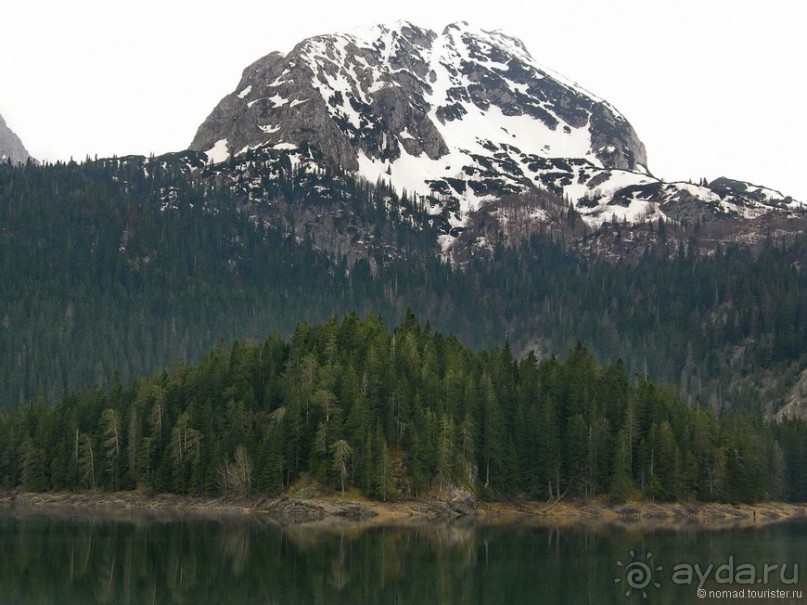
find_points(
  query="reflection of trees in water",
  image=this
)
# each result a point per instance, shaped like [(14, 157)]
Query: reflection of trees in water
[(66, 562), (340, 566), (347, 559), (105, 591), (233, 542)]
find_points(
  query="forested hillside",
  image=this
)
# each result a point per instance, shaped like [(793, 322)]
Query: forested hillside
[(397, 415), (117, 267)]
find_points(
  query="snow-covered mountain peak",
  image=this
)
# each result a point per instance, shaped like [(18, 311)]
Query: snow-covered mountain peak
[(462, 118), (381, 34), (356, 77)]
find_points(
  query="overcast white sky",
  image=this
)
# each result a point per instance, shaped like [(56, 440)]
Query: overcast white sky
[(712, 87)]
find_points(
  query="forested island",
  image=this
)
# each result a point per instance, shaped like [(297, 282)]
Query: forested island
[(399, 414)]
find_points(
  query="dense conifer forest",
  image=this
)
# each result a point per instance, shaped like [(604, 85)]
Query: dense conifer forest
[(398, 414), (115, 268)]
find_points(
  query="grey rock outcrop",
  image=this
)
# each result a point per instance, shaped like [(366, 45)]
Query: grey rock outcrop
[(465, 120), (461, 501), (795, 406), (11, 147), (394, 89)]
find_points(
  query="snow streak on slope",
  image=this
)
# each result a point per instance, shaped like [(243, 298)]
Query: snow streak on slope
[(481, 92), (462, 118)]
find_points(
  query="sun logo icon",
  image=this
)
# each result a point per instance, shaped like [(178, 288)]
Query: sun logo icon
[(638, 574)]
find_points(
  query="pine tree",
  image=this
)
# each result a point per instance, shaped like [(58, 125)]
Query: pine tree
[(576, 447), (341, 456), (32, 475), (112, 445), (86, 460)]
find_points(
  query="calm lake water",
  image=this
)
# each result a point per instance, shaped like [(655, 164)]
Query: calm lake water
[(46, 560)]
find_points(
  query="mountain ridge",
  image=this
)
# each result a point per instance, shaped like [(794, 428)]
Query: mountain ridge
[(406, 52), (145, 259), (11, 146), (462, 119)]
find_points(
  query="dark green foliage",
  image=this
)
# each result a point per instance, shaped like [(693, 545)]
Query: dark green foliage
[(113, 268), (397, 414), (120, 266)]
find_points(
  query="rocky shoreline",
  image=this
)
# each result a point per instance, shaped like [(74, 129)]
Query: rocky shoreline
[(335, 510)]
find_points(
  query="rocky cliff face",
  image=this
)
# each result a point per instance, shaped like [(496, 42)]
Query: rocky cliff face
[(11, 147), (458, 115), (387, 92), (463, 119)]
